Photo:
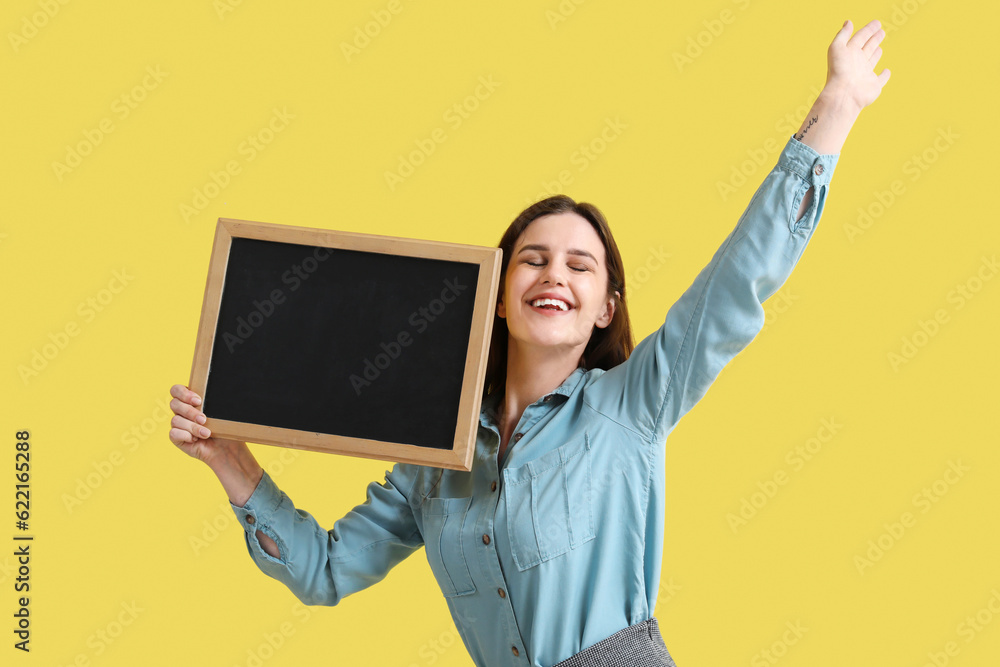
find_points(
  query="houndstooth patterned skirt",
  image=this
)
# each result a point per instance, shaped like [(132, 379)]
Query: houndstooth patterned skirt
[(639, 645)]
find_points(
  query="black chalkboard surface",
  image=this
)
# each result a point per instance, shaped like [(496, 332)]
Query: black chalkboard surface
[(348, 343)]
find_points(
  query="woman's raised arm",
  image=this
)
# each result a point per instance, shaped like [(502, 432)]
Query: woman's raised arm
[(851, 85), (722, 311)]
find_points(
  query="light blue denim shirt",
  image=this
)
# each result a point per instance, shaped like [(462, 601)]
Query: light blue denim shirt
[(560, 546)]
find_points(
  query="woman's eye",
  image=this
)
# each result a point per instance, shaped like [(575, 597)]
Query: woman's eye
[(581, 269)]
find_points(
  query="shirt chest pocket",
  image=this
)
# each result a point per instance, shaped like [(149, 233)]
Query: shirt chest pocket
[(443, 521), (549, 505)]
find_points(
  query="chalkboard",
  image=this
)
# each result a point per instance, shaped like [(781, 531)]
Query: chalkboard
[(340, 342)]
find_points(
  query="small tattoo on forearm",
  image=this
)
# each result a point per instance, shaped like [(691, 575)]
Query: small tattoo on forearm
[(801, 134)]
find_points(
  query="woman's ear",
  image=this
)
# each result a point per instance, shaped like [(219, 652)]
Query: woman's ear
[(501, 309), (609, 313)]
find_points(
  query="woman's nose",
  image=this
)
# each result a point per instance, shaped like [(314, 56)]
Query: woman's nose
[(553, 274)]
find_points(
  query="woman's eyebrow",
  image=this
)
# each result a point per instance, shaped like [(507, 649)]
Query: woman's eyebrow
[(545, 248)]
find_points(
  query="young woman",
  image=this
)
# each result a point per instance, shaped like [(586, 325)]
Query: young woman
[(548, 552)]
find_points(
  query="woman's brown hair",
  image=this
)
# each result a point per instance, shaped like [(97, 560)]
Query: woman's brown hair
[(607, 347)]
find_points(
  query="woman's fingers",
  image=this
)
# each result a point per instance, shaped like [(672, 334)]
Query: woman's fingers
[(862, 36), (843, 34), (184, 402), (180, 436), (185, 394), (188, 420), (873, 59), (187, 410), (196, 430), (873, 42)]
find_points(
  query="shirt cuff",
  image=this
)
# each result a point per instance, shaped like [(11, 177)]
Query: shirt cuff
[(803, 160), (258, 513)]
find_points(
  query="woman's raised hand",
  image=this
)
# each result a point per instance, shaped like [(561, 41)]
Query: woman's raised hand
[(851, 64), (231, 460), (187, 427)]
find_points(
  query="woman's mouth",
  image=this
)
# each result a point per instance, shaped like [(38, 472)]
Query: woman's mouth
[(550, 306)]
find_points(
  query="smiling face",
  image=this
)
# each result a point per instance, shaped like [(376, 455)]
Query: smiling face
[(558, 257)]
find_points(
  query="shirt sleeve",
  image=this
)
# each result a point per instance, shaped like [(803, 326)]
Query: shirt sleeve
[(721, 312), (322, 567)]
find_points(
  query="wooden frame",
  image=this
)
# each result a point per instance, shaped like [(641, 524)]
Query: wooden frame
[(460, 455)]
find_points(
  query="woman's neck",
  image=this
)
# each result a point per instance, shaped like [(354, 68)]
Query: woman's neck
[(531, 375)]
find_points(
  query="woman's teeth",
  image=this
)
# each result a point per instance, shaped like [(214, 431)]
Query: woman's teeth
[(554, 303)]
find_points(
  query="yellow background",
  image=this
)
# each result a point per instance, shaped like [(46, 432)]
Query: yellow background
[(131, 542)]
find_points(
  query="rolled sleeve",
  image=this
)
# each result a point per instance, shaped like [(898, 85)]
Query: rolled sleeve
[(721, 312), (816, 171), (259, 513)]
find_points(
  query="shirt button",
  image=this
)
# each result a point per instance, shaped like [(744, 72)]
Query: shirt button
[(493, 486), (517, 436), (251, 520), (486, 539), (501, 592), (513, 649), (818, 169)]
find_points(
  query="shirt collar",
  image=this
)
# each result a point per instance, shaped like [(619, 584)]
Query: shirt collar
[(568, 386)]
